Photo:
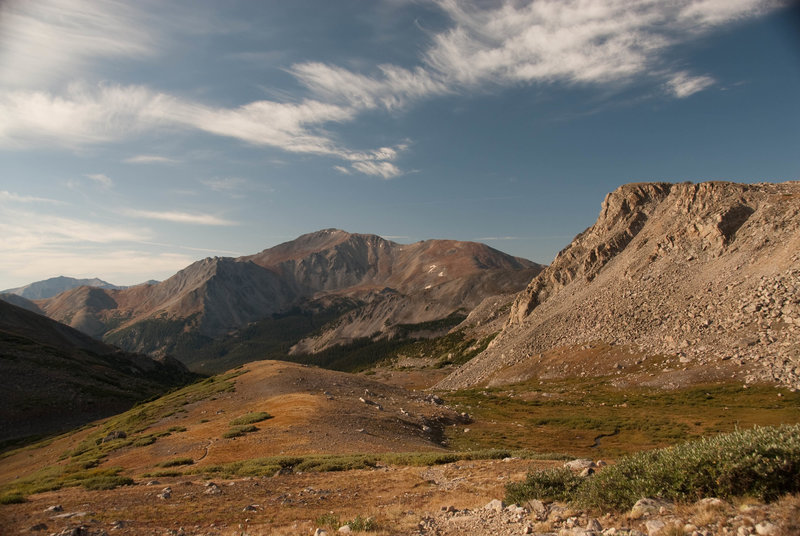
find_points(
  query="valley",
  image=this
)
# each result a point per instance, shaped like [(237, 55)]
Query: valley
[(401, 388)]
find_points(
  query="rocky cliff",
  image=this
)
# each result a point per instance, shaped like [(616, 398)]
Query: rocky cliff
[(705, 276)]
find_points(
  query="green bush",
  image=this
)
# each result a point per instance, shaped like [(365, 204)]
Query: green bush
[(236, 431), (362, 524), (176, 462), (106, 482), (251, 418), (763, 462)]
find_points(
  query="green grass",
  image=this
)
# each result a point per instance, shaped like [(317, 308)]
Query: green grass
[(79, 466), (762, 462), (591, 417), (251, 418), (236, 431), (12, 498), (319, 463)]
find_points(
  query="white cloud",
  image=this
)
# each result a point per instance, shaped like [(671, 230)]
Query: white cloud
[(225, 184), (587, 42), (5, 195), (149, 159), (179, 217), (386, 170), (101, 179), (46, 41), (343, 170), (684, 84)]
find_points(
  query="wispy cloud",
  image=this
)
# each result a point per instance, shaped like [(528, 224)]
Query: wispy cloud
[(179, 217), (47, 41), (386, 170), (149, 159), (101, 179), (5, 195), (683, 84)]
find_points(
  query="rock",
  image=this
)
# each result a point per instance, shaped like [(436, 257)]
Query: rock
[(54, 508), (765, 528), (116, 434), (654, 527), (250, 508), (345, 529), (579, 464), (212, 489), (433, 399), (320, 532), (153, 483), (537, 508), (647, 507), (586, 472), (166, 493), (496, 504), (594, 525)]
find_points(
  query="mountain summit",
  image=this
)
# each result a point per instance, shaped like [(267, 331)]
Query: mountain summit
[(378, 282)]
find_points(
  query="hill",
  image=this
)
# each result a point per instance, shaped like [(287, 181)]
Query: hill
[(701, 279), (53, 378), (314, 279)]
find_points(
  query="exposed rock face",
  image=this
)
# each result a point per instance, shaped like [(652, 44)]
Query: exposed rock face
[(699, 272), (394, 283)]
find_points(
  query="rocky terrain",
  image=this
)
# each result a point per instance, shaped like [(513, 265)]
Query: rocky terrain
[(53, 378), (383, 283), (702, 276)]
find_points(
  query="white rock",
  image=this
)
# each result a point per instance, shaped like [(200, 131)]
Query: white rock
[(345, 529), (496, 504)]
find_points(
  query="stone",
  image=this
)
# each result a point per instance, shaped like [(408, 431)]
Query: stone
[(345, 529), (496, 504), (537, 508), (116, 434), (765, 528), (320, 532), (54, 508), (654, 527), (250, 508), (579, 464), (594, 525), (647, 507)]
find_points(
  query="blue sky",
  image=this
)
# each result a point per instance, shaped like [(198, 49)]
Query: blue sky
[(137, 137)]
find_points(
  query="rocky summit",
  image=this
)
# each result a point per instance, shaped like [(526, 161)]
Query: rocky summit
[(705, 277)]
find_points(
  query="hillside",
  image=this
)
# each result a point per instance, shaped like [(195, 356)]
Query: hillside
[(53, 378), (703, 279), (318, 276)]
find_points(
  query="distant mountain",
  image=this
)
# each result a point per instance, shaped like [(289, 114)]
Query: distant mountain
[(379, 284), (56, 285), (53, 377), (673, 284)]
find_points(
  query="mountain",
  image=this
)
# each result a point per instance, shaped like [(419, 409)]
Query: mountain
[(56, 285), (701, 279), (53, 377), (19, 301), (315, 278)]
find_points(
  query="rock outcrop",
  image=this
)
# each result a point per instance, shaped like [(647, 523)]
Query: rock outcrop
[(700, 273)]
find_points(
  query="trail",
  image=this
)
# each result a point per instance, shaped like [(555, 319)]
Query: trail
[(206, 447), (597, 439)]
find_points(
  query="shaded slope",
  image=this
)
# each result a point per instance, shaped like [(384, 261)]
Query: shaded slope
[(53, 377)]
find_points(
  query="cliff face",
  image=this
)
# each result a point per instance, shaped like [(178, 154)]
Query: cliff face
[(700, 273)]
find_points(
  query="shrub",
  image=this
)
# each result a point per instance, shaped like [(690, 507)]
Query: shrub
[(361, 524), (557, 484), (251, 418), (329, 520), (176, 462), (763, 462), (236, 431), (106, 482)]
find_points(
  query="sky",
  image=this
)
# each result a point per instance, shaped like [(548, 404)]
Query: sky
[(138, 137)]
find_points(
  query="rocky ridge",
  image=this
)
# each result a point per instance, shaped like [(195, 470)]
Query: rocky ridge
[(704, 275)]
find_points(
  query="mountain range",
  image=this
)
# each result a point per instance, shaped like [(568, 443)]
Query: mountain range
[(340, 286)]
